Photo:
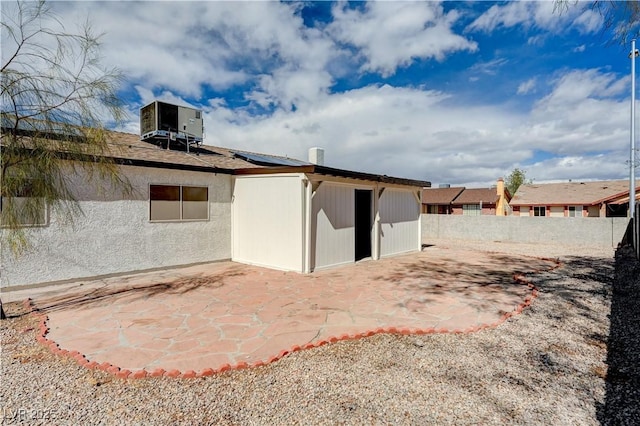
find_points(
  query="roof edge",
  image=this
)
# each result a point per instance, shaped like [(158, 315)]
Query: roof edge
[(330, 171)]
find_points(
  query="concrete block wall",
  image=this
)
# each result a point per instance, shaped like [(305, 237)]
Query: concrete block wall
[(601, 232)]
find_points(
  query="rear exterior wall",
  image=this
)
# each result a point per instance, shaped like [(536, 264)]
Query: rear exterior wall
[(114, 234)]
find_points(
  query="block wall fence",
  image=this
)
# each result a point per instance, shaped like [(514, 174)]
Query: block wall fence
[(601, 232)]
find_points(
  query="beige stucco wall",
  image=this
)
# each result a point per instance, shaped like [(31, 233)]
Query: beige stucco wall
[(114, 234)]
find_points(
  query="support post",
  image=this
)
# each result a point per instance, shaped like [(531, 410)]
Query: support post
[(632, 151)]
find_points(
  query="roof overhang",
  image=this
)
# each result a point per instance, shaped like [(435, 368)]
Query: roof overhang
[(330, 171), (571, 203)]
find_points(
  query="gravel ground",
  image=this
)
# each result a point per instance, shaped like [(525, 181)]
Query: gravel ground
[(546, 366)]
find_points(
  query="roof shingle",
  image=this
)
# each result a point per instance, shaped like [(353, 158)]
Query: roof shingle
[(566, 193), (440, 196), (477, 196)]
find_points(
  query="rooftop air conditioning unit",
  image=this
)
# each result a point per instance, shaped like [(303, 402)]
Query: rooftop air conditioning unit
[(160, 120)]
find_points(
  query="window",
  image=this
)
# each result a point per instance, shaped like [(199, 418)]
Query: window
[(26, 210), (575, 211), (471, 209), (539, 210), (176, 202)]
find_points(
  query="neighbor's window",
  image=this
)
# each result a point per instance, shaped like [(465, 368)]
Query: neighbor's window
[(575, 211), (178, 202), (471, 209), (539, 210)]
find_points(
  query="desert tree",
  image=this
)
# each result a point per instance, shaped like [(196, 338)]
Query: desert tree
[(515, 179), (57, 101)]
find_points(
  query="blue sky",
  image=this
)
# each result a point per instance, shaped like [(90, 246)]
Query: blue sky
[(450, 92)]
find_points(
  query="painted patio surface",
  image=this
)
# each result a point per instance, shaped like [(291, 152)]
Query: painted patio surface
[(212, 316)]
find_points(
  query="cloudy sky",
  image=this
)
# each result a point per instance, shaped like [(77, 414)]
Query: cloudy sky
[(450, 92)]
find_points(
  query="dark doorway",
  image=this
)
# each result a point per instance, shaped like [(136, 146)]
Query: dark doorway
[(363, 223)]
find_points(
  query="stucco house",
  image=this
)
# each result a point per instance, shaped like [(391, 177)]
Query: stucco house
[(467, 201), (213, 204), (573, 199), (439, 200)]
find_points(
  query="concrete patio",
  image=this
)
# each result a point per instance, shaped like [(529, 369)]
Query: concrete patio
[(211, 317)]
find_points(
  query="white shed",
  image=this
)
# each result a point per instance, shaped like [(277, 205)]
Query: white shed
[(305, 218)]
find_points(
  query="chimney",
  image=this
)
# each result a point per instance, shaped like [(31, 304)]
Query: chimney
[(501, 208), (316, 156), (500, 187)]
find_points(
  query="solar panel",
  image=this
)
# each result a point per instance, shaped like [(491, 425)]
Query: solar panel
[(268, 160)]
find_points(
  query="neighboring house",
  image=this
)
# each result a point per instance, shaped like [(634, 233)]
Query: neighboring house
[(215, 204), (573, 199), (467, 201), (439, 200)]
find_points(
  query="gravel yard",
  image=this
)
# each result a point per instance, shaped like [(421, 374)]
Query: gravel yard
[(548, 365)]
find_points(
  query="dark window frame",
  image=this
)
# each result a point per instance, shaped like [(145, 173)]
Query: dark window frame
[(539, 211), (176, 193)]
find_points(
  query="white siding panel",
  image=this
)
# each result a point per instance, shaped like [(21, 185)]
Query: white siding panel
[(333, 230), (399, 221), (267, 221)]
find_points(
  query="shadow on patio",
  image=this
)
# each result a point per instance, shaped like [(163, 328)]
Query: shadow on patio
[(132, 289), (483, 280)]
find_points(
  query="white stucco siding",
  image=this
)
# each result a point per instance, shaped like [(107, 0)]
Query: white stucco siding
[(114, 233), (333, 225), (399, 222), (268, 221)]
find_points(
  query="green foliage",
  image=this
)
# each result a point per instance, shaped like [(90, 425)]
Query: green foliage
[(516, 178), (57, 99)]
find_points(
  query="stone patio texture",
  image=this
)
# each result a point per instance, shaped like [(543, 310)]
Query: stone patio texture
[(224, 315)]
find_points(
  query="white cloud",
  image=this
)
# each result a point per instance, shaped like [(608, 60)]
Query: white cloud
[(589, 21), (527, 87), (185, 49), (582, 114), (580, 48), (382, 129), (399, 131), (538, 14), (392, 34), (419, 134), (489, 67), (579, 167)]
